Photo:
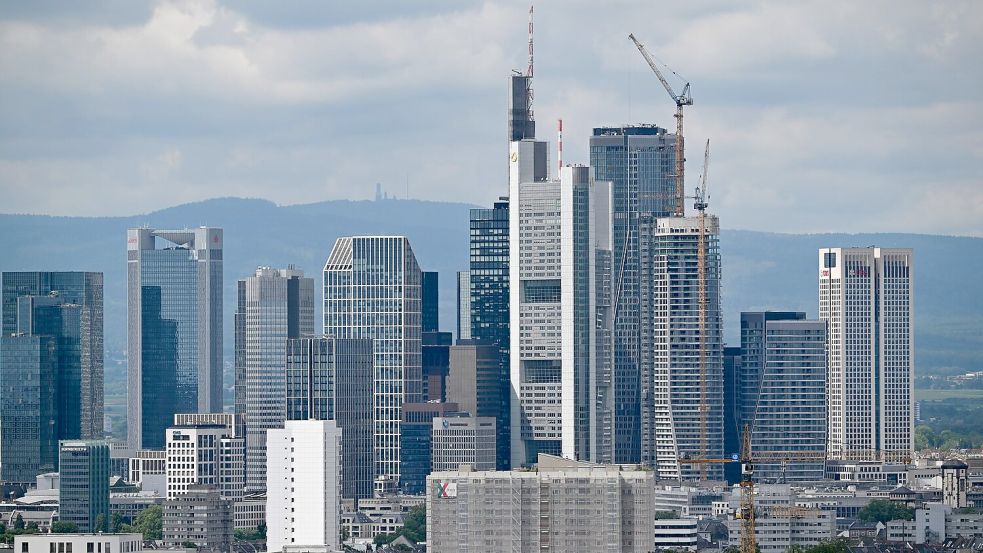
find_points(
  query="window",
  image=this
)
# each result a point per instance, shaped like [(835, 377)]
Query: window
[(23, 547), (829, 260)]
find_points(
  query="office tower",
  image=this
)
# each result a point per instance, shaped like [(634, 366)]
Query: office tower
[(200, 515), (560, 311), (866, 297), (331, 379), (472, 382), (463, 305), (732, 418), (462, 439), (273, 305), (436, 364), (303, 486), (415, 443), (372, 290), (208, 454), (521, 510), (83, 489), (638, 161), (28, 406), (430, 302), (81, 352), (783, 393), (488, 278), (521, 123), (174, 316), (681, 396)]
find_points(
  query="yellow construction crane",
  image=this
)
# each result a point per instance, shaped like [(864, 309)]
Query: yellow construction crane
[(683, 99), (700, 204)]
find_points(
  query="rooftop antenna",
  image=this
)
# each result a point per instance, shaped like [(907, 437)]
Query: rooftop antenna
[(529, 70), (559, 146)]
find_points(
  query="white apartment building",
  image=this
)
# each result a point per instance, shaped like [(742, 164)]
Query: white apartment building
[(866, 296), (303, 483), (463, 441), (563, 506), (560, 310), (205, 454)]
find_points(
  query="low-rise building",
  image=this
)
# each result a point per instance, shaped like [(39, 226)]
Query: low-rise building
[(199, 515), (78, 543), (676, 533), (781, 527), (250, 511)]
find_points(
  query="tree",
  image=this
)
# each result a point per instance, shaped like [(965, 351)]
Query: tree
[(64, 527), (100, 525), (19, 522), (117, 523), (415, 524), (882, 510), (150, 523)]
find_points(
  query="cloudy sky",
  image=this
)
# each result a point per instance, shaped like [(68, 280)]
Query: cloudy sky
[(823, 116)]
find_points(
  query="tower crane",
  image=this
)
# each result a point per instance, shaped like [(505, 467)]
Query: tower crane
[(682, 99), (700, 204)]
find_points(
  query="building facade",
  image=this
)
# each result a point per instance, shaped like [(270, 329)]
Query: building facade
[(783, 393), (430, 301), (505, 511), (304, 486), (638, 161), (83, 491), (678, 375), (372, 289), (462, 439), (272, 306), (174, 317), (199, 515), (473, 379), (866, 298), (331, 379), (205, 454), (416, 443), (463, 305)]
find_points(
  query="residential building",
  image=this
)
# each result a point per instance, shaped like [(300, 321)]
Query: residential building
[(372, 290), (274, 305), (560, 311), (488, 277), (866, 298), (782, 383), (461, 439), (416, 443), (174, 310), (79, 543), (83, 291), (638, 160), (463, 305), (542, 510), (331, 379), (199, 515), (205, 454), (83, 491), (682, 376), (303, 483)]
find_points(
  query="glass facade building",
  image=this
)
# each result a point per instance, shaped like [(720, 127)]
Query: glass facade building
[(272, 306), (28, 446), (331, 379), (638, 161), (84, 484), (430, 317), (463, 305), (174, 310), (416, 443), (488, 298)]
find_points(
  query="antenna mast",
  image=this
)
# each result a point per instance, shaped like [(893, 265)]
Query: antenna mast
[(529, 71), (559, 146)]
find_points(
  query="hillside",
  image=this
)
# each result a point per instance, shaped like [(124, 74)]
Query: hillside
[(761, 270)]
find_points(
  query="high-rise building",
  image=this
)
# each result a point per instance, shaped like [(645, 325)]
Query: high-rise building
[(638, 161), (372, 290), (174, 309), (866, 297), (416, 439), (463, 305), (682, 376), (207, 454), (488, 277), (273, 305), (472, 382), (83, 492), (200, 515), (732, 418), (303, 485), (544, 510), (521, 123), (81, 347), (331, 379), (560, 311), (436, 364), (783, 392), (28, 407), (462, 439), (430, 301)]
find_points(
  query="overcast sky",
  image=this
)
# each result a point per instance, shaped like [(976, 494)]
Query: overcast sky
[(823, 116)]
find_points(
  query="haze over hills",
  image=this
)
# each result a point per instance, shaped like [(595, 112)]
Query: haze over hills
[(761, 270)]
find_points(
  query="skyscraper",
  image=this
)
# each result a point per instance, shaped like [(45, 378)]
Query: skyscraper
[(638, 161), (463, 305), (331, 379), (866, 297), (430, 301), (273, 305), (303, 485), (83, 350), (783, 393), (28, 406), (372, 290), (174, 307), (488, 278), (674, 387), (84, 484), (560, 249)]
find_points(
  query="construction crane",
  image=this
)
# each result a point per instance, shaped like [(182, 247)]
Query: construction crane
[(683, 99), (700, 204)]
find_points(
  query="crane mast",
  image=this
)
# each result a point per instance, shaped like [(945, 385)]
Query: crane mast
[(701, 269), (683, 99)]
